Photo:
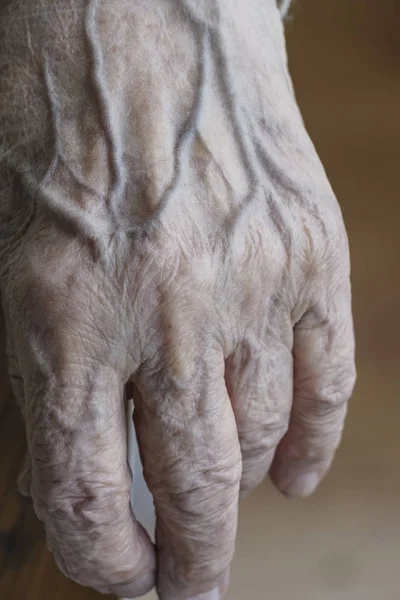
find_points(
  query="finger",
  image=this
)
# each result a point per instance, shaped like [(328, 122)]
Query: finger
[(14, 371), (192, 465), (324, 376), (17, 384), (76, 433), (25, 477), (260, 385)]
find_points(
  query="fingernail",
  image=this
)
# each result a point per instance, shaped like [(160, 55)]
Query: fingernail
[(213, 595), (302, 486), (24, 486), (224, 585), (135, 588)]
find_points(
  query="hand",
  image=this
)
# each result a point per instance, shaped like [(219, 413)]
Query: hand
[(166, 222)]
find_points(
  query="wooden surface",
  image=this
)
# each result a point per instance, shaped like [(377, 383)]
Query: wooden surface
[(345, 58)]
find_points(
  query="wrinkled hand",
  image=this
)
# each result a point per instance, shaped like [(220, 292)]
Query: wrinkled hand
[(165, 221)]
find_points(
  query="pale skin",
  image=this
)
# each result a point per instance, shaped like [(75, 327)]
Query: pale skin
[(165, 221)]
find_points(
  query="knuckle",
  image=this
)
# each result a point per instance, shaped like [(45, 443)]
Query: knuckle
[(81, 505), (263, 438), (200, 515), (339, 391), (324, 394), (77, 523)]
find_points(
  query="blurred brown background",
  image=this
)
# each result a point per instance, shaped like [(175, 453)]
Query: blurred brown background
[(344, 543)]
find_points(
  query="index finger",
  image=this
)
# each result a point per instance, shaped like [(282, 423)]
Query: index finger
[(76, 433)]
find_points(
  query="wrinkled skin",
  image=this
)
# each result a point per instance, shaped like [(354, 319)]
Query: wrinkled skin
[(165, 221)]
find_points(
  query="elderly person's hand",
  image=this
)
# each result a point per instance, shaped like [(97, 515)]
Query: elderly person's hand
[(165, 221)]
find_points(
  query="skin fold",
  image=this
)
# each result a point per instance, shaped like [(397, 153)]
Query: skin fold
[(165, 221)]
